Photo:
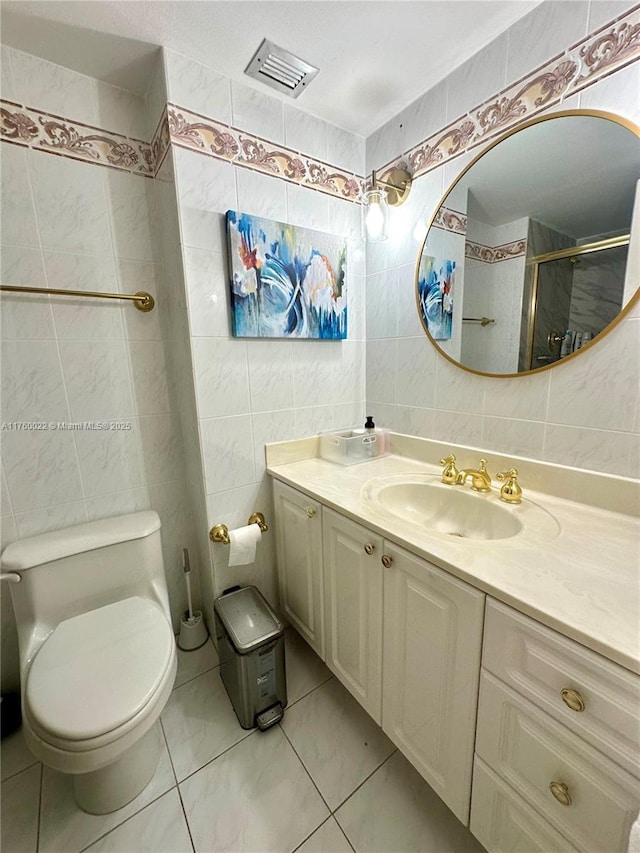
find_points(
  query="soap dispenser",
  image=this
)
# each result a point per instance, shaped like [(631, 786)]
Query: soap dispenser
[(370, 435)]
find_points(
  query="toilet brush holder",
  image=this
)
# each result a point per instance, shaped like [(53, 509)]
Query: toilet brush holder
[(193, 632)]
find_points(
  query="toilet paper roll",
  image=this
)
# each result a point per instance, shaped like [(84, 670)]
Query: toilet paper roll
[(244, 541)]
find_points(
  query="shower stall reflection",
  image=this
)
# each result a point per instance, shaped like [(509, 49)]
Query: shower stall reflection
[(574, 294)]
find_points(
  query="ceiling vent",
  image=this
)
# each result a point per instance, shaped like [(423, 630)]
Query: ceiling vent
[(280, 69)]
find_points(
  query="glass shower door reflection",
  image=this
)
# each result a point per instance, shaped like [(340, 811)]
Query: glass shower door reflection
[(581, 293)]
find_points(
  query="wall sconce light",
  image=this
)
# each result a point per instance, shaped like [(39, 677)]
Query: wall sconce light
[(376, 201)]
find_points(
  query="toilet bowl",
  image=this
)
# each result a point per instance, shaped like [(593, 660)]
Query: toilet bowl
[(97, 653)]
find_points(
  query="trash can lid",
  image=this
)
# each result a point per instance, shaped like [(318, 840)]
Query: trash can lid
[(248, 619)]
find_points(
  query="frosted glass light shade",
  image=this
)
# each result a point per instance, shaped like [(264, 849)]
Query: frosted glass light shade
[(375, 216)]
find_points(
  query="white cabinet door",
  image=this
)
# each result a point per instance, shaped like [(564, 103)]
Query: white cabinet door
[(432, 643), (353, 608), (299, 545)]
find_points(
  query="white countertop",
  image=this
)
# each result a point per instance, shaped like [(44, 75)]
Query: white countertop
[(580, 576)]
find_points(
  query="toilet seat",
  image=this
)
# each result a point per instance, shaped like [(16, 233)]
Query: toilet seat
[(96, 673)]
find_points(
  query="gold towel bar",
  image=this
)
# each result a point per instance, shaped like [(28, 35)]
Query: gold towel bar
[(220, 532), (484, 321), (142, 300)]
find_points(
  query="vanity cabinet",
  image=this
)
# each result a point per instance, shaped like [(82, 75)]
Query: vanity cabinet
[(298, 522), (557, 731), (556, 767), (403, 636), (432, 648), (353, 608)]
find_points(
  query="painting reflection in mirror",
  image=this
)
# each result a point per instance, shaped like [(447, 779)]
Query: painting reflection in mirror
[(435, 293), (538, 229)]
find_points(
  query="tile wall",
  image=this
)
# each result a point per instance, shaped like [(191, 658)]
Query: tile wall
[(71, 224), (250, 392), (495, 259), (203, 404), (602, 273), (179, 365), (584, 413)]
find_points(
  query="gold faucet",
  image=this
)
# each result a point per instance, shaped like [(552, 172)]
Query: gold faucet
[(450, 473), (511, 492), (480, 479)]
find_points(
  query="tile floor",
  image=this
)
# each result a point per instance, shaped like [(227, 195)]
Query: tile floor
[(326, 780)]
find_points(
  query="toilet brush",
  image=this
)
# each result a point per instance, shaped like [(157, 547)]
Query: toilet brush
[(193, 631)]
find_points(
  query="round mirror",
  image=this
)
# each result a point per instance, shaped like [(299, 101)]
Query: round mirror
[(524, 263)]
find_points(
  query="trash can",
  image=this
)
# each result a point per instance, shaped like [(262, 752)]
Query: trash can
[(251, 649)]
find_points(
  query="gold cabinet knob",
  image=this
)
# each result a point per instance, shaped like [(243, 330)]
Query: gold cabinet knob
[(572, 699), (561, 793), (310, 511), (369, 548), (387, 561)]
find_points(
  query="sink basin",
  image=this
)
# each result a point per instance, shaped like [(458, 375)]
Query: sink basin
[(450, 510)]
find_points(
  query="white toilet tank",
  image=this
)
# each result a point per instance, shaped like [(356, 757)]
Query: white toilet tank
[(71, 571)]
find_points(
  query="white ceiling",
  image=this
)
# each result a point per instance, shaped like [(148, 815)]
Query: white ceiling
[(375, 56)]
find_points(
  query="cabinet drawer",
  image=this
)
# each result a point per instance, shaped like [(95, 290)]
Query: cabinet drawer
[(540, 664), (504, 823), (529, 751)]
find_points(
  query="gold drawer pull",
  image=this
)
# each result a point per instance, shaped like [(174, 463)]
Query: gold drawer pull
[(561, 793), (369, 548), (387, 561), (572, 699), (310, 511)]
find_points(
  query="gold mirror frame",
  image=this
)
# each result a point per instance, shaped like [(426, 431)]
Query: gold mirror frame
[(623, 311)]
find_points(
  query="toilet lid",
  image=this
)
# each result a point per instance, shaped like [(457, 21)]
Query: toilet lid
[(98, 670)]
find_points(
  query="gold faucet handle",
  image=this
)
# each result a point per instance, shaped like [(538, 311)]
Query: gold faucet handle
[(450, 473), (483, 468), (511, 492)]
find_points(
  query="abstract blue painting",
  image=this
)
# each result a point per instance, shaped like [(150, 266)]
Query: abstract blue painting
[(435, 295), (286, 282)]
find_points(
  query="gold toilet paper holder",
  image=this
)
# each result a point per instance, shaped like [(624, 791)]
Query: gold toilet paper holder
[(220, 532)]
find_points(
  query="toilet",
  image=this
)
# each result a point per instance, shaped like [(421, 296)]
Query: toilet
[(97, 653)]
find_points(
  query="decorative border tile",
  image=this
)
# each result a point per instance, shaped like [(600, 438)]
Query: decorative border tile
[(200, 134), (495, 254), (55, 135), (333, 181), (599, 54), (455, 222), (443, 145), (52, 134), (161, 142), (450, 220), (606, 51), (207, 136), (14, 125)]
